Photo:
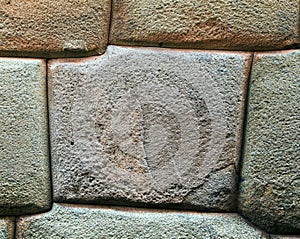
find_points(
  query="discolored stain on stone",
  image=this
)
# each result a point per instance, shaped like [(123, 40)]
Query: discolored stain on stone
[(24, 164), (148, 126), (7, 226), (92, 222), (61, 28), (212, 24), (270, 187)]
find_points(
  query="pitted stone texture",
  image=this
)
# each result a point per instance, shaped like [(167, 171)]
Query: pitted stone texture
[(211, 24), (6, 228), (147, 126), (47, 28), (24, 163), (270, 188), (89, 223)]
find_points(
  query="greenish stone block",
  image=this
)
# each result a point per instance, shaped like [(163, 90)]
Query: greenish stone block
[(90, 223), (270, 187), (24, 159)]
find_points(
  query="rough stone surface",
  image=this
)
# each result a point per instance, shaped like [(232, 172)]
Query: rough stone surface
[(148, 126), (270, 188), (211, 24), (6, 228), (57, 28), (24, 163), (75, 222)]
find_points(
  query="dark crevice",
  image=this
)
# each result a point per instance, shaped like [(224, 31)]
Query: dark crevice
[(49, 138), (14, 236), (244, 127), (110, 22)]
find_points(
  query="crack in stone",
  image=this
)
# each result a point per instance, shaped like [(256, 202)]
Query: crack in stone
[(205, 180), (145, 158)]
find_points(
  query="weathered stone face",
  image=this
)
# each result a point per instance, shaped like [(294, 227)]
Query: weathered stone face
[(269, 194), (211, 24), (24, 165), (147, 126), (90, 223), (6, 228), (47, 28)]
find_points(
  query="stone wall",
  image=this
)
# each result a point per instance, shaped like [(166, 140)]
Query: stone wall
[(149, 119)]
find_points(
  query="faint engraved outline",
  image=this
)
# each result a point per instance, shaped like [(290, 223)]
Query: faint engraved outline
[(206, 86)]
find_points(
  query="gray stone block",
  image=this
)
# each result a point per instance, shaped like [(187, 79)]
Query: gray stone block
[(270, 187), (7, 226), (148, 126), (90, 223), (24, 164)]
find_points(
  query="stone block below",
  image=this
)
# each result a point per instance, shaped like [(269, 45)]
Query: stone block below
[(7, 227), (90, 222)]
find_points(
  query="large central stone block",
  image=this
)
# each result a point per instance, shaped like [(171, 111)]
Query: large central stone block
[(148, 126)]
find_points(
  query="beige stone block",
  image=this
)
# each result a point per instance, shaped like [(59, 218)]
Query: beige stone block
[(211, 24), (24, 162), (53, 28), (148, 126)]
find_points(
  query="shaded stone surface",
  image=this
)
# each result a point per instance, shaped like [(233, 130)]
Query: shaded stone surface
[(270, 187), (60, 28), (212, 24), (6, 228), (148, 126), (284, 237), (75, 222), (24, 165)]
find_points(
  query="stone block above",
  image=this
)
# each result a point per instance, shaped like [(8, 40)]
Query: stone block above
[(53, 28), (24, 157), (270, 186), (148, 126), (65, 221), (7, 227), (210, 24)]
